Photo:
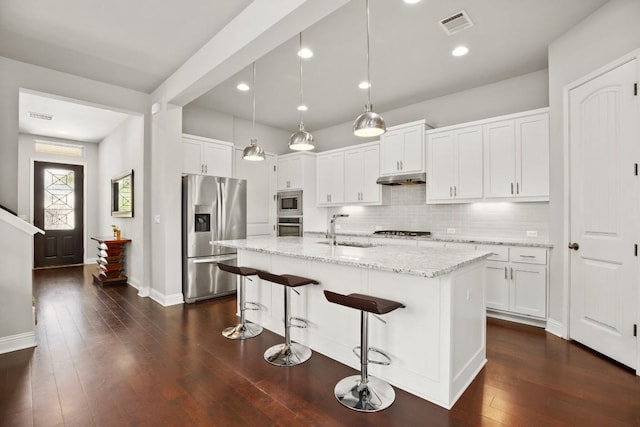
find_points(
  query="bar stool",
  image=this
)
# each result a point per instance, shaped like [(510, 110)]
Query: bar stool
[(244, 329), (362, 392), (289, 353)]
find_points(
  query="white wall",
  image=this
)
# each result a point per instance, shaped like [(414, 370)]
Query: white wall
[(27, 155), (120, 151), (609, 33), (526, 92), (214, 124)]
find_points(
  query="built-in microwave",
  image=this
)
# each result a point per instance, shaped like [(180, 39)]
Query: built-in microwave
[(289, 203)]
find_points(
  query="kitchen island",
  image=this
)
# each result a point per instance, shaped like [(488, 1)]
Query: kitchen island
[(437, 343)]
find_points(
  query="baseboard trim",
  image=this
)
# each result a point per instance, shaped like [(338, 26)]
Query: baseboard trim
[(166, 300), (515, 318), (17, 342), (556, 328)]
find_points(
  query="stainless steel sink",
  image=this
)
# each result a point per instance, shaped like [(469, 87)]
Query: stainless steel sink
[(350, 244)]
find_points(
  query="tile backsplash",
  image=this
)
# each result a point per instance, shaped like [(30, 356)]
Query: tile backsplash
[(408, 211)]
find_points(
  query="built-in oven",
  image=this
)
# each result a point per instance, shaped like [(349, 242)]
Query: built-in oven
[(290, 203), (290, 226)]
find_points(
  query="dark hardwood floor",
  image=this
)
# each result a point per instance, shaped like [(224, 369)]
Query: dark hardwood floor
[(108, 357)]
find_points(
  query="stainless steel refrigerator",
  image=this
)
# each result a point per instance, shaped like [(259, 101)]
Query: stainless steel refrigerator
[(213, 209)]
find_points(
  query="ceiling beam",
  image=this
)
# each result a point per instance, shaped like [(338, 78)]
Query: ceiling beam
[(258, 29)]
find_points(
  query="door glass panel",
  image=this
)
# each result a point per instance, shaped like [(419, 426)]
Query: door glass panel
[(59, 203)]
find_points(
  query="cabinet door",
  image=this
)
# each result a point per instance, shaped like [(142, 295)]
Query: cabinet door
[(283, 174), (261, 190), (324, 179), (295, 173), (496, 279), (499, 159), (353, 174), (412, 159), (192, 156), (391, 152), (217, 159), (336, 188), (441, 166), (532, 156), (529, 289), (468, 182), (371, 192)]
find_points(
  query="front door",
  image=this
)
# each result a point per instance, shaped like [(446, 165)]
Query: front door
[(603, 144), (58, 195)]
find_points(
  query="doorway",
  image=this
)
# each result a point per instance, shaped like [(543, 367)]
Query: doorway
[(604, 196), (58, 200)]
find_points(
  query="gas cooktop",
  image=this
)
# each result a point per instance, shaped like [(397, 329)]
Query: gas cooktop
[(403, 233)]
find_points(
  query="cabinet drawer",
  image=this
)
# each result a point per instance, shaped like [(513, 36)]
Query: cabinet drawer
[(500, 253), (529, 255)]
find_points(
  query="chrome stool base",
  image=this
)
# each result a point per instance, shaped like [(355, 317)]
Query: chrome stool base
[(291, 355), (242, 331), (375, 396)]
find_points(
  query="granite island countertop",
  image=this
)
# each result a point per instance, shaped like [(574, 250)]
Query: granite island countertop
[(469, 239), (417, 261)]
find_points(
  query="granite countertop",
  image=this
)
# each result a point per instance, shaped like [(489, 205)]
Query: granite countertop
[(473, 240), (417, 261)]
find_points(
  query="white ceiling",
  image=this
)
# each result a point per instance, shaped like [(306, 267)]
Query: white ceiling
[(139, 44), (70, 120)]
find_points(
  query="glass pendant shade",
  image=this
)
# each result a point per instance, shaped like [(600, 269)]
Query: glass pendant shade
[(369, 123), (253, 151), (301, 140)]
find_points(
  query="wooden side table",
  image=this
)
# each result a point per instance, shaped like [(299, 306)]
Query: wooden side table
[(111, 261)]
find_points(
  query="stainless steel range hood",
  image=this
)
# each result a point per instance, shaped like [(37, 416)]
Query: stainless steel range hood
[(406, 179)]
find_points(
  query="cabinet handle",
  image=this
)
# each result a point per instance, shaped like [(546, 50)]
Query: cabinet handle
[(455, 191), (512, 188), (517, 188), (206, 168), (511, 273), (401, 165), (527, 256), (397, 165), (450, 191), (505, 272), (329, 197)]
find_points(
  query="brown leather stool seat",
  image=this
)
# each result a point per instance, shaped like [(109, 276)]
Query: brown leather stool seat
[(289, 353), (244, 329), (362, 392), (241, 271)]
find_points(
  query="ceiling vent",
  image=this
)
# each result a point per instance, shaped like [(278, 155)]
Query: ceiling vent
[(456, 23), (41, 116)]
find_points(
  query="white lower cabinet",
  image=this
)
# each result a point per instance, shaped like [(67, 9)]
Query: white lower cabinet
[(516, 281)]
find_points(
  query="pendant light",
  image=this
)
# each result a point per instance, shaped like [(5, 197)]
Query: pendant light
[(369, 123), (253, 152), (301, 140)]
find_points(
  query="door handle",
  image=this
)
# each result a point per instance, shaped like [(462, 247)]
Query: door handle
[(574, 246), (512, 188)]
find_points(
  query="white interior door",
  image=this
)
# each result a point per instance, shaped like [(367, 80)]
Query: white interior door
[(603, 141)]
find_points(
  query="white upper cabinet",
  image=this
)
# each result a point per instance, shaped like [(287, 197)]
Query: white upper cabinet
[(206, 156), (362, 169), (454, 165), (330, 181), (402, 149), (290, 173), (261, 192), (516, 158)]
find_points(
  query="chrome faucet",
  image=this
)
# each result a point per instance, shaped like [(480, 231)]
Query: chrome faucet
[(332, 228)]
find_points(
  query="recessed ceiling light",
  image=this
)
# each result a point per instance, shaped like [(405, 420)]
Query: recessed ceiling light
[(411, 1), (243, 87), (460, 51), (364, 85), (305, 53), (302, 108)]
